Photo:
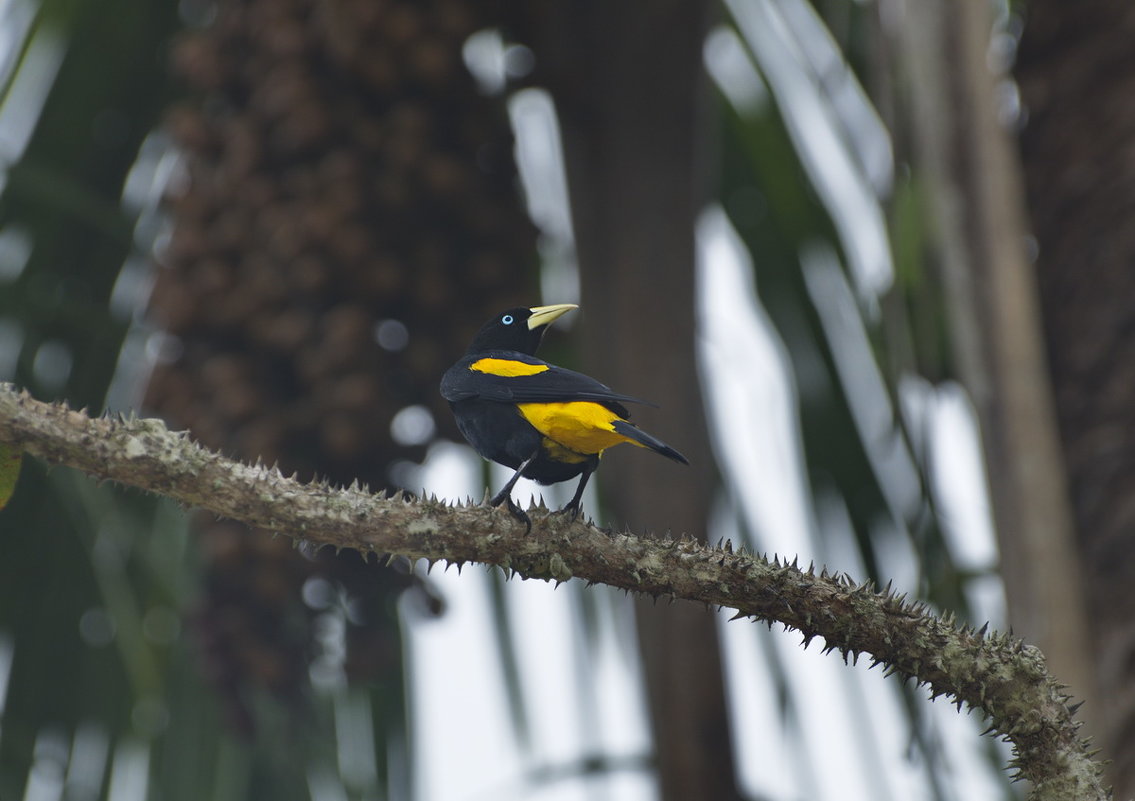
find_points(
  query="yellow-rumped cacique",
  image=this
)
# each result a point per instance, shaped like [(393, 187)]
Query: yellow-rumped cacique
[(547, 423)]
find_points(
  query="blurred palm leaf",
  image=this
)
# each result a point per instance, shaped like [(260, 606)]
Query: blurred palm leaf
[(89, 610), (807, 187)]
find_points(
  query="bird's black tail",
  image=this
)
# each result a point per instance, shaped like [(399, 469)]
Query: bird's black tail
[(640, 437)]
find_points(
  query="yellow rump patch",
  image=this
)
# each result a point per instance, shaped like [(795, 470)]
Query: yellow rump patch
[(507, 368), (559, 453), (579, 426)]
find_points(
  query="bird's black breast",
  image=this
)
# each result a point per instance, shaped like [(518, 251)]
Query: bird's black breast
[(496, 430)]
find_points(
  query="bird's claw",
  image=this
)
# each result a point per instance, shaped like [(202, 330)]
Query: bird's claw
[(520, 515), (514, 510), (571, 510)]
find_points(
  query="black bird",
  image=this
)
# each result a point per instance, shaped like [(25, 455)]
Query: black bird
[(547, 423)]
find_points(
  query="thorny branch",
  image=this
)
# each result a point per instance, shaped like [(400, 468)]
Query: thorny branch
[(1001, 676)]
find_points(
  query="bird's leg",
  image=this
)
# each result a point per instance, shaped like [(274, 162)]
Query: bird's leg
[(506, 491), (573, 505), (505, 495)]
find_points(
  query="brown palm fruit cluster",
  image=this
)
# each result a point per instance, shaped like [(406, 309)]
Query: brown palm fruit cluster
[(256, 635), (349, 216)]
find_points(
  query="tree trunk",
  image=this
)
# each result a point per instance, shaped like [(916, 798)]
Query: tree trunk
[(627, 81), (1077, 73), (965, 156)]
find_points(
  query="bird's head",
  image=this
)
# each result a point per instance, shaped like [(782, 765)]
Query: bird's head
[(518, 329)]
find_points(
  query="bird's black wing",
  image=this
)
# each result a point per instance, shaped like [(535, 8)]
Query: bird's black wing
[(518, 378)]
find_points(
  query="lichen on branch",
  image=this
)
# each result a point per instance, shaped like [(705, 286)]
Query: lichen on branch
[(999, 675)]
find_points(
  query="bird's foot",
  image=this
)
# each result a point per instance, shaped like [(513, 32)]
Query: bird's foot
[(513, 509), (571, 509)]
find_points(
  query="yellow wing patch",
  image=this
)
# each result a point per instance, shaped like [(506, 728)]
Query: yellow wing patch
[(580, 426), (507, 368)]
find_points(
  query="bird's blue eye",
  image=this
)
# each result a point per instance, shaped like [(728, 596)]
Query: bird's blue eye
[(507, 319)]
